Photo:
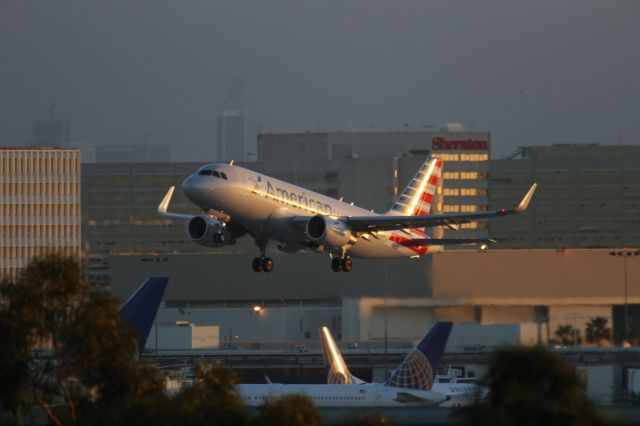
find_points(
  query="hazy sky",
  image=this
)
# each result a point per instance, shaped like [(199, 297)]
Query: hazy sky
[(529, 72)]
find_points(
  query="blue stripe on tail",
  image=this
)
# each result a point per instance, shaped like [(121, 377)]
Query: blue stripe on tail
[(141, 308)]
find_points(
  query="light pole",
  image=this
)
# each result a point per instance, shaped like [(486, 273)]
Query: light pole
[(625, 252)]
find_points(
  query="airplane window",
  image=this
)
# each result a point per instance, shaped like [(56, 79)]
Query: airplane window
[(205, 172), (216, 173), (223, 176)]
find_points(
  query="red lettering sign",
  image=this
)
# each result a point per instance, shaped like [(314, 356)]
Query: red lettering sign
[(441, 144)]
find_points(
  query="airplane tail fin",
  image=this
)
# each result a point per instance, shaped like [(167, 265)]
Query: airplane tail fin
[(417, 197), (337, 371), (142, 306), (418, 370)]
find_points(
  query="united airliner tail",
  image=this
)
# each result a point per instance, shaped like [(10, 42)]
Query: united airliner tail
[(417, 197), (337, 371), (141, 308), (419, 368)]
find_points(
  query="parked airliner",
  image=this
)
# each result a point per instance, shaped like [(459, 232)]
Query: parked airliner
[(236, 201), (459, 393), (409, 385)]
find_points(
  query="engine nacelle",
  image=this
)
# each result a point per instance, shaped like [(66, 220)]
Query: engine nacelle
[(209, 232), (329, 232)]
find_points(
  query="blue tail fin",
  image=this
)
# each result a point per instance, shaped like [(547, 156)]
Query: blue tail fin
[(142, 306), (419, 368)]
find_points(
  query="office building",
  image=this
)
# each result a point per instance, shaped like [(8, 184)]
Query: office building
[(588, 196), (40, 208)]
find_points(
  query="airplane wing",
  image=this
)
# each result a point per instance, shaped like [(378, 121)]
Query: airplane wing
[(388, 223)]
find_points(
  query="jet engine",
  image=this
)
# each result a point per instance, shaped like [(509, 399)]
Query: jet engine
[(209, 232), (329, 232)]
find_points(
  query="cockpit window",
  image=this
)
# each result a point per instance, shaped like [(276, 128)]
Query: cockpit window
[(205, 172), (223, 176), (216, 173)]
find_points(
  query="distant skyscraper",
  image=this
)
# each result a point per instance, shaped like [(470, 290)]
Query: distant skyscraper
[(39, 205), (234, 125), (51, 132)]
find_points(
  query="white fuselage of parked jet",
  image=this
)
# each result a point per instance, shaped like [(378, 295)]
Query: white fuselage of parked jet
[(323, 395)]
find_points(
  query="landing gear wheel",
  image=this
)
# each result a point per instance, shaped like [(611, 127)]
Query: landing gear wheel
[(347, 264), (267, 264), (336, 264), (257, 264)]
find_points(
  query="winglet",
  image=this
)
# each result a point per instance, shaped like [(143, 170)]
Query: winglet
[(527, 198), (164, 206)]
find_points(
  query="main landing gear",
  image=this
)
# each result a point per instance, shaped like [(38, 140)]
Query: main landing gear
[(262, 263), (343, 263)]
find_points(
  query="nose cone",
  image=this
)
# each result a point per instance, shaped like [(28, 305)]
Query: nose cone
[(195, 188)]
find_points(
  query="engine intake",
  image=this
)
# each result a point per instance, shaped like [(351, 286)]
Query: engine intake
[(329, 232), (208, 231)]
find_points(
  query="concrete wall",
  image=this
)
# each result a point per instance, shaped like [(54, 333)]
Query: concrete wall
[(522, 277)]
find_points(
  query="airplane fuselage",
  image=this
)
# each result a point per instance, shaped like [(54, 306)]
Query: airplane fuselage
[(342, 395), (265, 206)]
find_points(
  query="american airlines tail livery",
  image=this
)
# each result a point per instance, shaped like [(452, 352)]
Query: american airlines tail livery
[(417, 371), (236, 201)]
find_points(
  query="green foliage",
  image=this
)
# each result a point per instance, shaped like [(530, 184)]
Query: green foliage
[(597, 331), (64, 348), (293, 410), (212, 400), (568, 336), (530, 386)]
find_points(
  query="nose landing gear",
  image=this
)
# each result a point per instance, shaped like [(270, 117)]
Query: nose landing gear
[(262, 263), (343, 263)]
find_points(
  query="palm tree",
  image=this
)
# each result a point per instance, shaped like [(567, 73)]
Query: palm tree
[(597, 330), (568, 335)]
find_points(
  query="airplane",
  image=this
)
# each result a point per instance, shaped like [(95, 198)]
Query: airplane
[(409, 385), (141, 308), (459, 393), (236, 201)]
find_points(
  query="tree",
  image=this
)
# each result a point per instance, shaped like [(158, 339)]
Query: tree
[(597, 331), (63, 347), (293, 410), (212, 400), (568, 336), (530, 386)]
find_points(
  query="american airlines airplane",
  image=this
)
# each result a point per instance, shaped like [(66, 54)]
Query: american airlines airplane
[(459, 393), (236, 201), (409, 385)]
